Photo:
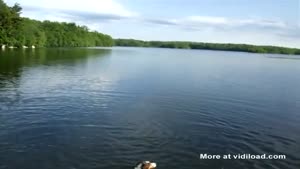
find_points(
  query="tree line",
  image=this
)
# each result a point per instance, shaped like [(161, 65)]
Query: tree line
[(18, 31), (208, 46)]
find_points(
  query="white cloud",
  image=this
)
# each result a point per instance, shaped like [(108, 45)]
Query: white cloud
[(92, 6), (194, 22), (206, 20), (90, 11), (86, 12)]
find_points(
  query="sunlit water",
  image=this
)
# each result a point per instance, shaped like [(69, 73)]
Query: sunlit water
[(111, 108)]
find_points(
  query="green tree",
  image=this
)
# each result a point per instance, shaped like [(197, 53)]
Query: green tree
[(18, 31)]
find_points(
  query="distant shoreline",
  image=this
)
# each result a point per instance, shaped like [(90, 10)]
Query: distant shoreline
[(208, 46), (20, 32)]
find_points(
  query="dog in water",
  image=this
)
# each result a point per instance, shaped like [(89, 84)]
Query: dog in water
[(145, 165)]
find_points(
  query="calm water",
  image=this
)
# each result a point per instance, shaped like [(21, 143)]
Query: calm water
[(110, 108)]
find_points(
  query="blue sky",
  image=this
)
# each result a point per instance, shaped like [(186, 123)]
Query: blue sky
[(262, 22)]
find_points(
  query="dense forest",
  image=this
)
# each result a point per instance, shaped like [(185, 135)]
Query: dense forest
[(18, 32), (208, 46)]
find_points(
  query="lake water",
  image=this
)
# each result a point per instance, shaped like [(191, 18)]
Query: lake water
[(95, 108)]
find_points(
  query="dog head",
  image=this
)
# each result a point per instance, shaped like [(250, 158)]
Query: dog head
[(145, 165)]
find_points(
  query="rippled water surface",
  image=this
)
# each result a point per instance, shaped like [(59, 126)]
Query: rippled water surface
[(110, 108)]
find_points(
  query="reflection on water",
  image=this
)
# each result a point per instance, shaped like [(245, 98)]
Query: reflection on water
[(13, 61), (110, 108), (285, 57)]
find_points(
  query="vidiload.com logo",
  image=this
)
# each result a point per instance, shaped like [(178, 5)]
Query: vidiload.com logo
[(242, 157)]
